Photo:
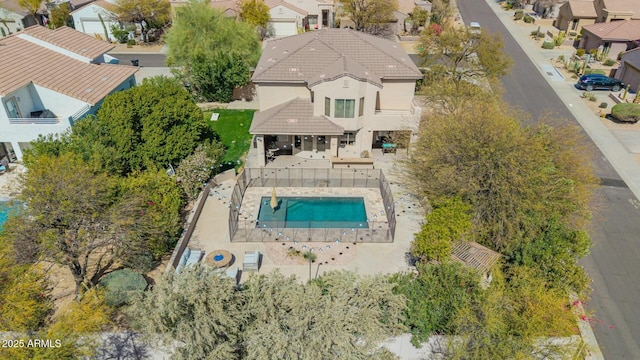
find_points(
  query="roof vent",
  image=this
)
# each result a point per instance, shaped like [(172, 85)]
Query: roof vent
[(88, 90), (292, 120), (312, 49), (286, 51), (105, 78), (293, 69), (84, 50), (391, 66)]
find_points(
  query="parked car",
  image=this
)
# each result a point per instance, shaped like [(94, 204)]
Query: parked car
[(599, 82), (474, 28)]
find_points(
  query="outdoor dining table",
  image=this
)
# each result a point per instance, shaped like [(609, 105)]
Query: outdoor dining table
[(219, 258)]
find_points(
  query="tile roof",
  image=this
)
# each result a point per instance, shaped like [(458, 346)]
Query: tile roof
[(294, 117), (623, 6), (227, 6), (301, 58), (626, 30), (345, 66), (474, 255), (273, 3), (582, 9), (70, 39), (13, 6), (101, 3), (25, 62)]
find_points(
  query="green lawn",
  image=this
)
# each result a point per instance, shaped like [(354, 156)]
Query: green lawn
[(233, 128)]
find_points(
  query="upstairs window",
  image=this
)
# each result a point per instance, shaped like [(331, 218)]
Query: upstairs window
[(327, 106), (345, 108), (361, 106)]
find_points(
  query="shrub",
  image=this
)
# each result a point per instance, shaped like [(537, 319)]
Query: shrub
[(518, 15), (603, 105), (131, 42), (594, 71), (528, 19), (561, 58), (120, 286), (541, 35), (535, 33), (609, 62), (572, 33), (619, 56), (580, 52), (121, 35), (626, 112), (592, 97), (548, 45), (593, 52)]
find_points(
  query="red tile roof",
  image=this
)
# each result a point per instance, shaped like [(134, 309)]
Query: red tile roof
[(23, 62), (70, 39)]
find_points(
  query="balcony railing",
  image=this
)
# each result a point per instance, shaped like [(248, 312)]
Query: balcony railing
[(35, 121)]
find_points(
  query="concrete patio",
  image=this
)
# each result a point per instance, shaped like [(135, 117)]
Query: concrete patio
[(212, 230)]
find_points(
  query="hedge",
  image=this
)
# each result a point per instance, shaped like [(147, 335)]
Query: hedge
[(626, 112)]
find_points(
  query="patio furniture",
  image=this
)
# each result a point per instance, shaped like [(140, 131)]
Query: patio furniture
[(251, 261), (188, 258), (219, 258)]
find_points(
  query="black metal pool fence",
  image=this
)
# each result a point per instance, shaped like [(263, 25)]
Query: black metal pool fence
[(381, 230)]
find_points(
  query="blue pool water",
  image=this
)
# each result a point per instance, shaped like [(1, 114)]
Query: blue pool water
[(5, 208), (313, 212)]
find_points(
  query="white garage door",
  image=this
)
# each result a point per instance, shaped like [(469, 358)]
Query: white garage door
[(281, 29), (92, 27)]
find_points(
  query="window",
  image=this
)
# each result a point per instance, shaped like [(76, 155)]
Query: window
[(327, 106), (12, 108), (361, 107), (574, 25), (345, 108), (348, 138)]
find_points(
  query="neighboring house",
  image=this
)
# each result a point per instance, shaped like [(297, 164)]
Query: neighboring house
[(228, 7), (477, 257), (14, 18), (575, 14), (629, 70), (405, 8), (51, 79), (86, 19), (287, 16), (612, 37), (615, 10), (332, 93)]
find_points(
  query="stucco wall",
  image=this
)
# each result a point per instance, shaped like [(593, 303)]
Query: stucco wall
[(90, 13), (271, 95), (397, 94), (282, 12)]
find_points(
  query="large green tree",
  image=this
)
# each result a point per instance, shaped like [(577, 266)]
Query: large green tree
[(147, 13), (256, 14), (86, 220), (511, 176), (462, 55), (204, 45), (370, 16), (149, 126)]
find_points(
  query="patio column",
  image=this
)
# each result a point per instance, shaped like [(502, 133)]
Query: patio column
[(334, 145), (314, 143), (260, 150)]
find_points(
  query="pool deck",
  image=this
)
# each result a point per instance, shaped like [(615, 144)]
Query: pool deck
[(212, 230)]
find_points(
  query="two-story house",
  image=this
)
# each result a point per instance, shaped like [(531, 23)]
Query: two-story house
[(49, 79), (287, 16), (332, 93), (14, 18)]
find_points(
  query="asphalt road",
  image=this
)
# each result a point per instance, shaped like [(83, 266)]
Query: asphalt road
[(614, 262), (146, 60)]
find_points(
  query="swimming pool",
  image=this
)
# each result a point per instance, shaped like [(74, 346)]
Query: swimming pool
[(5, 208), (313, 212)]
